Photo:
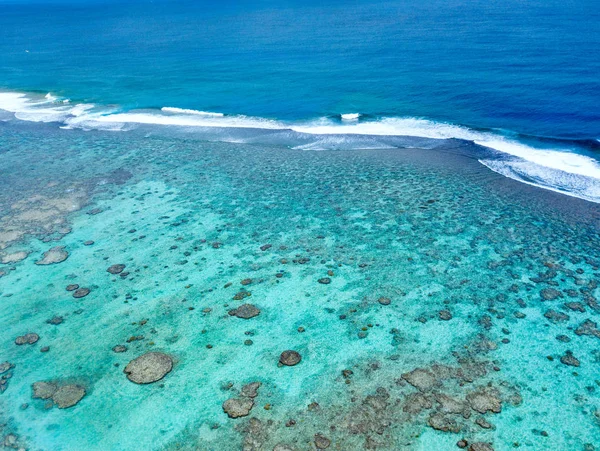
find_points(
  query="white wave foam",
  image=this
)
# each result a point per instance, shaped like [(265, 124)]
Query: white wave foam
[(42, 109), (551, 168), (551, 158), (89, 123), (559, 181), (170, 109), (341, 142), (186, 120), (350, 116), (12, 101)]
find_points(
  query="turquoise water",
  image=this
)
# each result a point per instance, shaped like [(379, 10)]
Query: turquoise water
[(408, 195), (431, 230)]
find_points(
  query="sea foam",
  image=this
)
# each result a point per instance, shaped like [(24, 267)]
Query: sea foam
[(557, 168), (169, 109), (42, 109), (350, 116)]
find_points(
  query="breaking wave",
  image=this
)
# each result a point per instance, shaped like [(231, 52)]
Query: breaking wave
[(563, 167)]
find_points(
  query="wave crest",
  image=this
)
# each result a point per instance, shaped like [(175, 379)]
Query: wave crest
[(170, 109), (559, 168)]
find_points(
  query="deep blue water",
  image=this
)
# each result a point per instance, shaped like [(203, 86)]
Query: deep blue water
[(518, 77), (526, 66), (345, 169)]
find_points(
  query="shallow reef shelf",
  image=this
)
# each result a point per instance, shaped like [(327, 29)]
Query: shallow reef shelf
[(162, 292)]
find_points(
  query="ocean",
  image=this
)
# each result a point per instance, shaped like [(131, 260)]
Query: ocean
[(406, 194)]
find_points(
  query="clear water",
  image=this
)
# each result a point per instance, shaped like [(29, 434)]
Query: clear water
[(530, 67), (492, 282), (518, 77), (367, 216)]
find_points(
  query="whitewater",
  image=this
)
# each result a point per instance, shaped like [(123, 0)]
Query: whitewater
[(561, 168)]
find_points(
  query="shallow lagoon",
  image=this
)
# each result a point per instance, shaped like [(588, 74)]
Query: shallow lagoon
[(482, 273)]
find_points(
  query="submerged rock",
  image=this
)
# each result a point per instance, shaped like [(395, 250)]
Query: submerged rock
[(448, 404), (556, 317), (588, 327), (245, 311), (11, 441), (241, 295), (29, 338), (149, 367), (81, 293), (384, 301), (441, 422), (290, 358), (238, 407), (116, 269), (483, 423), (575, 306), (44, 390), (251, 390), (485, 399), (325, 281), (54, 255), (422, 379), (119, 348), (72, 287), (56, 320), (569, 359), (445, 315), (550, 294), (415, 403), (5, 366), (15, 257), (322, 442), (68, 395)]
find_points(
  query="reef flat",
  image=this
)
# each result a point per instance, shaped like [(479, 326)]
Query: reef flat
[(162, 292)]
